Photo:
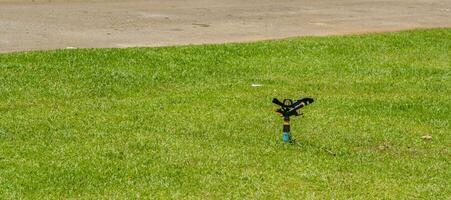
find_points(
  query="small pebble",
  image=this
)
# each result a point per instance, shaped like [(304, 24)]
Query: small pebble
[(426, 137)]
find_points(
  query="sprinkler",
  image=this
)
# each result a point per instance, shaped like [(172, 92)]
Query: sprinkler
[(289, 108)]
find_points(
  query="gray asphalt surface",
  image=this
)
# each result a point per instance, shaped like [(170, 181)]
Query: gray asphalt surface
[(41, 25)]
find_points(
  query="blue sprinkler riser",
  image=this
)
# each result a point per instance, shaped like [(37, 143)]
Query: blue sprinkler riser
[(286, 137)]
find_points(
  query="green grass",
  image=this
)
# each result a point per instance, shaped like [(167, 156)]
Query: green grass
[(184, 122)]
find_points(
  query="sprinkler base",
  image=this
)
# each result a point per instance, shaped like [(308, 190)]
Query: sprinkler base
[(286, 137)]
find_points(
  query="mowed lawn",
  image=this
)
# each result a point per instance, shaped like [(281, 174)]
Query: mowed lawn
[(185, 122)]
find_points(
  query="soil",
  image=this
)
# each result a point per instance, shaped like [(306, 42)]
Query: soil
[(54, 24)]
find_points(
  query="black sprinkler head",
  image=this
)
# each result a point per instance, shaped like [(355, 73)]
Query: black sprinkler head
[(289, 108)]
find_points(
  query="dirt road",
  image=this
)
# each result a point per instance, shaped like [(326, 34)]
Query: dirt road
[(51, 24)]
